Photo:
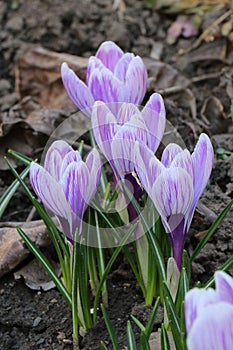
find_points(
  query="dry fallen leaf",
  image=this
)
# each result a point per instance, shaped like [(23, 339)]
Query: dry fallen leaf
[(34, 275), (12, 248), (38, 74), (213, 115), (155, 340)]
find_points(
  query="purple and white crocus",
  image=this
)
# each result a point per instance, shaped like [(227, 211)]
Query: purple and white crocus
[(175, 185), (209, 315), (66, 184), (111, 77), (116, 134)]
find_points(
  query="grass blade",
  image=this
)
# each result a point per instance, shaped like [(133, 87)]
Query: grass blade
[(110, 329), (6, 197), (173, 318), (131, 338), (46, 265), (211, 231), (165, 345)]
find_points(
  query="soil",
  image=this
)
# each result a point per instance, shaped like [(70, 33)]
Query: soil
[(41, 320)]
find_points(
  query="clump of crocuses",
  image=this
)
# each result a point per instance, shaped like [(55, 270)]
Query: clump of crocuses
[(66, 185), (112, 76), (175, 185), (209, 315)]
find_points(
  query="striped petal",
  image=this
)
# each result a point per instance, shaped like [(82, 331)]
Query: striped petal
[(135, 85), (109, 53), (49, 191), (73, 156), (184, 161), (122, 65), (93, 163), (155, 118), (104, 127), (54, 157), (78, 92), (104, 86), (125, 112), (224, 286), (212, 329), (169, 153), (147, 166), (75, 184), (202, 159), (172, 194), (195, 300)]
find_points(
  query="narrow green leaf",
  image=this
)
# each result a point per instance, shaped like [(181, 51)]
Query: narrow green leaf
[(103, 346), (131, 338), (224, 267), (173, 318), (108, 267), (138, 323), (144, 343), (6, 197), (110, 329), (75, 318), (46, 265), (211, 231), (183, 287), (165, 345), (152, 239), (151, 321), (24, 159)]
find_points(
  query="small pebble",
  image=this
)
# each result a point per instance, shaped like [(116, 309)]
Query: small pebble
[(37, 321)]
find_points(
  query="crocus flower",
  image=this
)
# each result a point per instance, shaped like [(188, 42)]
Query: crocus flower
[(66, 185), (175, 185), (116, 135), (111, 77), (209, 315)]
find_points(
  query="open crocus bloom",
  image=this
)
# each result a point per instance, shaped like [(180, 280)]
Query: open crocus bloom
[(209, 315), (175, 185), (111, 77), (66, 185)]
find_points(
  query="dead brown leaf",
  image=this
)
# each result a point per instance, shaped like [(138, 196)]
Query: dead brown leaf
[(12, 248), (213, 115), (38, 74), (35, 276), (163, 76), (155, 340)]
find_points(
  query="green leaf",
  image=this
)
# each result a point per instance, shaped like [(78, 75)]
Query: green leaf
[(110, 329), (211, 231), (46, 265), (174, 321), (138, 323), (130, 338), (103, 346), (24, 159), (6, 197), (108, 267), (165, 345), (151, 321), (183, 288), (152, 239), (144, 344), (225, 267)]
